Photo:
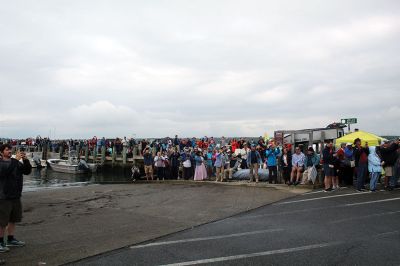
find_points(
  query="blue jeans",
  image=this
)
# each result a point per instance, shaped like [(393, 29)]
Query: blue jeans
[(374, 179), (393, 181), (361, 172)]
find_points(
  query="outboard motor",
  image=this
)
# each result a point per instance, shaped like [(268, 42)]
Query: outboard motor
[(83, 165), (135, 173), (37, 162)]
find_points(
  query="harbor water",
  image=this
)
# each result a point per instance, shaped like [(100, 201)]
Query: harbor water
[(46, 178)]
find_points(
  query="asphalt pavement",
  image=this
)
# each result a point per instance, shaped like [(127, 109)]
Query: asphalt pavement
[(343, 227)]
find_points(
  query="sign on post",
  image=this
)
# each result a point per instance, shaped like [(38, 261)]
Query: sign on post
[(349, 120)]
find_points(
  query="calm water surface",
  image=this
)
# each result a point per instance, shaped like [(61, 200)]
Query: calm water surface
[(48, 179)]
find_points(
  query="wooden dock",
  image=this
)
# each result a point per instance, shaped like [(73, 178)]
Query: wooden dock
[(91, 156)]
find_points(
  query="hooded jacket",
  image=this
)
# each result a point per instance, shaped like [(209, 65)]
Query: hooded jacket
[(374, 162)]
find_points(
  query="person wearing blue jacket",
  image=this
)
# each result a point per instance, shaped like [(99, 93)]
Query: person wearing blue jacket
[(271, 153), (374, 168)]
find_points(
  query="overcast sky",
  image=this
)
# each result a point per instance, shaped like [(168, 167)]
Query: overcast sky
[(194, 68)]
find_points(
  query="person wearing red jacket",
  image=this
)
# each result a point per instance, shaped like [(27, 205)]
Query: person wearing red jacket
[(234, 145)]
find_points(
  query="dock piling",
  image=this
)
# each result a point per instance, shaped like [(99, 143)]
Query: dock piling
[(103, 154), (87, 153), (124, 155)]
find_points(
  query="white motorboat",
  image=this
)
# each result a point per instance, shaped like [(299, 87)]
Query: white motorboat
[(72, 166)]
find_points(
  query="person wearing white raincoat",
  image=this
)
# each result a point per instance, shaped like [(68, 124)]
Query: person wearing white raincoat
[(374, 168)]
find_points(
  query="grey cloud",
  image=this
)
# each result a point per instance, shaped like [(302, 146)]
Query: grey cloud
[(197, 68)]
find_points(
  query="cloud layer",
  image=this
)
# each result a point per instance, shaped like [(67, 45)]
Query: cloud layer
[(195, 68)]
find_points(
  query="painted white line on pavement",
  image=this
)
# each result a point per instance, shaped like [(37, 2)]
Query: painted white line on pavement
[(287, 212), (387, 233), (312, 209), (277, 251), (252, 255), (369, 202), (327, 197), (319, 191), (364, 217), (314, 192), (205, 238)]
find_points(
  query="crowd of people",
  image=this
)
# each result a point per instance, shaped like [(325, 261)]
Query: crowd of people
[(197, 159), (349, 164), (218, 159), (355, 164), (210, 159)]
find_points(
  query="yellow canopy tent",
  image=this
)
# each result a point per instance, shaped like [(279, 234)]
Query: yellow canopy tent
[(373, 140)]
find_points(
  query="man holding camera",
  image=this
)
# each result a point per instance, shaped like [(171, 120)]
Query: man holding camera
[(11, 181)]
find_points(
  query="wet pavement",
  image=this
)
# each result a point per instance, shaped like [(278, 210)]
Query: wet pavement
[(336, 228)]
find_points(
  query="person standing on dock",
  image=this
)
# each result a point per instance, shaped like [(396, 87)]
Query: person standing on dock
[(200, 172), (329, 158), (148, 164), (286, 164), (389, 157), (143, 145), (361, 160), (253, 162), (219, 165), (11, 182), (175, 162), (124, 143), (187, 164), (159, 162), (271, 153), (374, 168), (176, 142)]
